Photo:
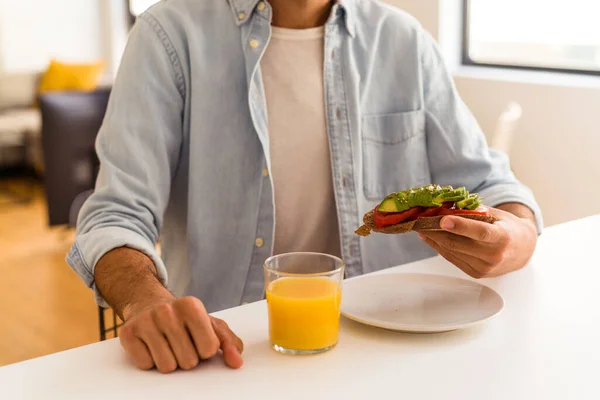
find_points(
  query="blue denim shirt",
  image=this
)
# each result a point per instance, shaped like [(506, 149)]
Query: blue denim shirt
[(184, 144)]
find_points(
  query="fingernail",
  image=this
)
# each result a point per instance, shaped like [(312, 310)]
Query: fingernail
[(447, 224)]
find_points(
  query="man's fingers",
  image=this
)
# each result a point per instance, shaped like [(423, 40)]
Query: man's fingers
[(137, 350), (225, 334), (464, 262), (180, 333), (231, 345), (161, 352), (197, 321), (485, 253), (457, 243), (232, 356), (177, 336), (476, 230)]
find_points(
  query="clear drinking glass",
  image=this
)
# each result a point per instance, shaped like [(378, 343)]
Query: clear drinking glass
[(304, 292)]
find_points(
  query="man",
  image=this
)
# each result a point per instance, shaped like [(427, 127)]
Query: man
[(241, 128)]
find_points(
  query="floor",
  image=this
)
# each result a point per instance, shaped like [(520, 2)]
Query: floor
[(44, 307)]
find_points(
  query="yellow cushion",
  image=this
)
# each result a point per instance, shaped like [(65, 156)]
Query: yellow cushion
[(71, 77)]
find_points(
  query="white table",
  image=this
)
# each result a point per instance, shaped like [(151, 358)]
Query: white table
[(545, 345)]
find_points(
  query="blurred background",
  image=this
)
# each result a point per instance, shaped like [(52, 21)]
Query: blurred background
[(529, 70)]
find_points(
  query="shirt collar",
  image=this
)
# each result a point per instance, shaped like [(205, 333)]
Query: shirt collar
[(242, 9), (349, 15)]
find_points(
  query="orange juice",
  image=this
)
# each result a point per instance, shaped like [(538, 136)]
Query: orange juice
[(304, 313)]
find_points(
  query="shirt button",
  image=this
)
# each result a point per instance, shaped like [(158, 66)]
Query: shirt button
[(260, 242), (261, 6), (254, 43), (265, 172), (242, 16)]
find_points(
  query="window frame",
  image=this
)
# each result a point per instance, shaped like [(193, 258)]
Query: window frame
[(468, 61)]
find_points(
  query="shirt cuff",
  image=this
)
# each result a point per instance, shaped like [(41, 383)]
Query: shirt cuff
[(90, 247), (501, 194)]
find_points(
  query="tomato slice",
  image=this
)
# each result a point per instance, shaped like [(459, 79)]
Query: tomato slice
[(434, 211), (386, 219), (481, 210), (383, 219)]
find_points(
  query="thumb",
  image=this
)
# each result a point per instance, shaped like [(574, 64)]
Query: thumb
[(231, 345), (231, 355)]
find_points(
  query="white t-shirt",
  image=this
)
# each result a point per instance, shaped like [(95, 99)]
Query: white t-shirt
[(305, 209)]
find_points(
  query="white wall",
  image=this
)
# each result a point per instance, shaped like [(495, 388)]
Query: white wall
[(556, 144), (426, 11), (115, 30), (555, 149), (34, 31)]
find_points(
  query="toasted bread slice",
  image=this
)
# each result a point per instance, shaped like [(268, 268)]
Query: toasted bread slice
[(420, 224)]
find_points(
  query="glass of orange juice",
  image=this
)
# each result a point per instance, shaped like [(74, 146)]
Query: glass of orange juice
[(304, 292)]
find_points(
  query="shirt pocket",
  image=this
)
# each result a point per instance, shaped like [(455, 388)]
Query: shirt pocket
[(394, 153)]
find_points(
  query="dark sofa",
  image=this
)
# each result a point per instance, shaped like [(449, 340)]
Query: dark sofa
[(70, 124)]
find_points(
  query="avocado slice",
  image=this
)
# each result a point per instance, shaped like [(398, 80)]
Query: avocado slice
[(455, 195), (429, 196), (395, 202), (388, 205), (470, 203), (425, 196)]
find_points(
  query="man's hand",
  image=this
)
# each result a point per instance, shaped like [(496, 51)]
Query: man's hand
[(177, 333), (160, 331), (485, 250)]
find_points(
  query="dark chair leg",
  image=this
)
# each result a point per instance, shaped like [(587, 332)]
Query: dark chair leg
[(102, 322), (116, 334), (102, 326)]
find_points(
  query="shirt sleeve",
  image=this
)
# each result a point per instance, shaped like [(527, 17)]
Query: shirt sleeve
[(138, 147), (457, 148)]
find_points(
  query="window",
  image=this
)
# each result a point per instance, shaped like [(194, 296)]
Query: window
[(136, 7), (556, 35)]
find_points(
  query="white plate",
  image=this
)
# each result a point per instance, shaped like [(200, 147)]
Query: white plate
[(419, 303)]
